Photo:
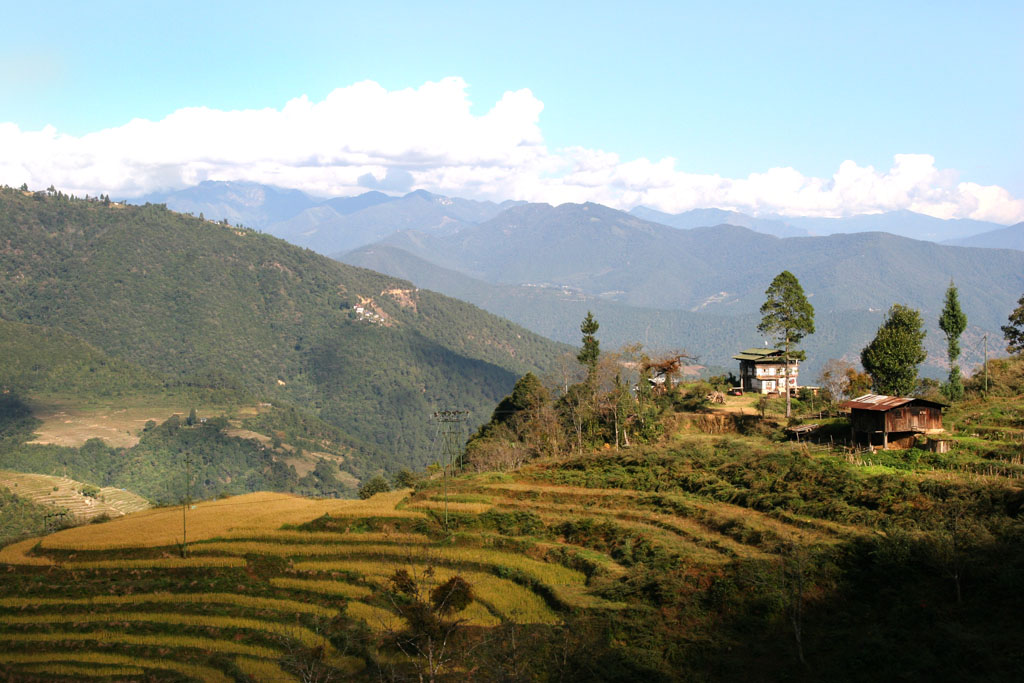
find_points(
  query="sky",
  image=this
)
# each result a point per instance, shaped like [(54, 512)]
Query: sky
[(792, 108)]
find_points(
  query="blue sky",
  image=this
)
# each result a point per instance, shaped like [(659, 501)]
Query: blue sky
[(720, 90)]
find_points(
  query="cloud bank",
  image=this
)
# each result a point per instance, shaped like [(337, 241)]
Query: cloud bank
[(364, 136)]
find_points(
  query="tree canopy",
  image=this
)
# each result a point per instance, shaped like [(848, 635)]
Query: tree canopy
[(1014, 332), (788, 317), (893, 355)]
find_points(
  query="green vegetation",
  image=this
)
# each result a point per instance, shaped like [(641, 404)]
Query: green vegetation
[(19, 516), (155, 467), (788, 317), (1014, 331), (594, 532), (591, 349), (953, 322), (893, 355), (101, 299)]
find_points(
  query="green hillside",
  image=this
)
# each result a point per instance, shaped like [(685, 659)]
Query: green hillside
[(49, 360), (226, 308)]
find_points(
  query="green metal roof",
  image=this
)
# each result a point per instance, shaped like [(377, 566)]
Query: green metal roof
[(758, 354)]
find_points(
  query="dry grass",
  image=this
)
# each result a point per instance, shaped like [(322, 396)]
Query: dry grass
[(323, 587), (452, 506), (118, 421), (375, 617), (201, 673), (159, 563), (135, 599), (161, 640), (332, 537), (291, 631), (17, 553), (70, 671), (545, 572), (251, 514), (262, 669), (515, 602), (562, 490)]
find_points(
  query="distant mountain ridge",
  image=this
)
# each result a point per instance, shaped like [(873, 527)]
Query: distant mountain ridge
[(1010, 237), (339, 224), (701, 287)]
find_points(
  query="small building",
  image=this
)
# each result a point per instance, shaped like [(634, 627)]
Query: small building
[(765, 371), (892, 421)]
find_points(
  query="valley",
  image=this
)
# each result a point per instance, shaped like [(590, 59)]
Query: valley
[(240, 437)]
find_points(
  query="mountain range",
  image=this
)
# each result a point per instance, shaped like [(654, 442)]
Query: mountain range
[(691, 280), (343, 223), (701, 288)]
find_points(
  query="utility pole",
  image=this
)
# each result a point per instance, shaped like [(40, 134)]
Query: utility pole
[(184, 506), (986, 365), (450, 430)]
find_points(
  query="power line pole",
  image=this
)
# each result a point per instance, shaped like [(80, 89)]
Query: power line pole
[(986, 365), (184, 505), (449, 427)]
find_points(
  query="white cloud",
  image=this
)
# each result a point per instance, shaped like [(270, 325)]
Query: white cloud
[(365, 134)]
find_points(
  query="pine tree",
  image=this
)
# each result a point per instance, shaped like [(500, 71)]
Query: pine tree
[(591, 350), (953, 322), (789, 317)]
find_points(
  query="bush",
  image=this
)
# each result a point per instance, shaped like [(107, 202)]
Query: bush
[(378, 484)]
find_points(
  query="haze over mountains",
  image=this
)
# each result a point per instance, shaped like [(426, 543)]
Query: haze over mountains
[(693, 280), (342, 223)]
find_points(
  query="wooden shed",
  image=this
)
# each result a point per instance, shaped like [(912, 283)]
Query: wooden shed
[(892, 421)]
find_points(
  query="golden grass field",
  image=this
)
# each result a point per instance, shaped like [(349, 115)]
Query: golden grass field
[(283, 581), (248, 514)]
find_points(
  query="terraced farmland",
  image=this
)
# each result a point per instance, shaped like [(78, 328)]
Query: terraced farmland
[(62, 493), (271, 585), (276, 587)]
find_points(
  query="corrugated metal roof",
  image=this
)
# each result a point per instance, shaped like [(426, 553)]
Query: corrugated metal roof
[(876, 402), (879, 402)]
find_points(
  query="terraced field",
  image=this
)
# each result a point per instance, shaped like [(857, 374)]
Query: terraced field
[(62, 493), (276, 587), (272, 584)]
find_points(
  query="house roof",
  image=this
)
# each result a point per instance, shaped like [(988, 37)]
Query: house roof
[(762, 355), (883, 403)]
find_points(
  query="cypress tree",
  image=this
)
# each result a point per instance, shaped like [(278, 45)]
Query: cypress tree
[(953, 322)]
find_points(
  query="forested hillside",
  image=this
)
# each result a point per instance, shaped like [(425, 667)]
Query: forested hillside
[(227, 308)]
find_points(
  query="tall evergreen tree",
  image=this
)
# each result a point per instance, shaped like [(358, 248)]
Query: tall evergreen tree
[(893, 355), (591, 350), (953, 322), (788, 317)]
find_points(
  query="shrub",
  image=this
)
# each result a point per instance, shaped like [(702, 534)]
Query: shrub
[(378, 484)]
